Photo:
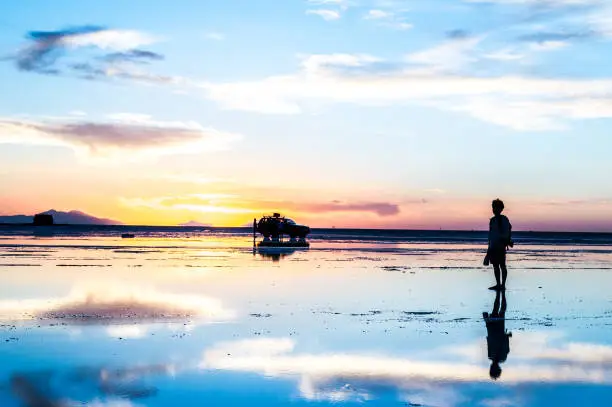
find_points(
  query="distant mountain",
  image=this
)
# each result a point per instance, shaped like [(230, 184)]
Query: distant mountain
[(195, 223), (70, 218)]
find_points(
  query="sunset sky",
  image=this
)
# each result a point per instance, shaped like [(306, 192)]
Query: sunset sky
[(346, 113)]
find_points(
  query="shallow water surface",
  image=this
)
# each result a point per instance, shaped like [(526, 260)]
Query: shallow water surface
[(164, 321)]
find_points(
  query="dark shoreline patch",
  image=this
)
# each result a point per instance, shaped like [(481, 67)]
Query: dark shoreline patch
[(420, 313), (84, 265)]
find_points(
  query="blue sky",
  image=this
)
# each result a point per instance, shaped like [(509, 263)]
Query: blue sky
[(434, 107)]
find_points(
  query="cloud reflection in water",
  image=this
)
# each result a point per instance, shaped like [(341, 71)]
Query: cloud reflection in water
[(107, 387), (117, 305), (344, 376)]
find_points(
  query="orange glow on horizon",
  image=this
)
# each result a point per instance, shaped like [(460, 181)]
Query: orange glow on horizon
[(165, 202)]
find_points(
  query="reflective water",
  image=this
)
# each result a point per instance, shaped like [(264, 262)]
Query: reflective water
[(101, 321)]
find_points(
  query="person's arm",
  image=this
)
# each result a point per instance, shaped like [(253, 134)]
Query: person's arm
[(510, 242)]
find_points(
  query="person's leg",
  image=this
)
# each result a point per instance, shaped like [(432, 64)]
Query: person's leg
[(502, 310), (495, 311), (504, 272), (497, 273)]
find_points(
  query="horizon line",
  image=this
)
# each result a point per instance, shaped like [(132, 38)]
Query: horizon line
[(8, 224)]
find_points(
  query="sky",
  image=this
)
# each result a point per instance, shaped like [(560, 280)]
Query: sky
[(345, 113)]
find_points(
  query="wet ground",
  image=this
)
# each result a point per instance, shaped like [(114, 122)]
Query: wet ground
[(107, 322)]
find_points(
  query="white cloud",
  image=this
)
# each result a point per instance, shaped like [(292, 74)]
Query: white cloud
[(599, 20), (57, 53), (326, 14), (515, 114), (330, 10), (109, 39), (125, 135), (433, 77), (389, 19), (548, 45), (539, 114), (314, 64), (133, 73), (572, 21), (451, 55), (377, 14)]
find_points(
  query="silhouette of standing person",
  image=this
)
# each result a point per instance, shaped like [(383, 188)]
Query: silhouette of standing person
[(498, 340), (500, 237)]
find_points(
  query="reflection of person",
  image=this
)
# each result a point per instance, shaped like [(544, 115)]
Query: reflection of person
[(498, 340), (500, 237)]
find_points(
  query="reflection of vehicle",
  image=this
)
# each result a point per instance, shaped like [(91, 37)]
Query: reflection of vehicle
[(274, 227), (275, 253)]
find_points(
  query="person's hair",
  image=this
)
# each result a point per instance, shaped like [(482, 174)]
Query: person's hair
[(498, 206), (495, 371)]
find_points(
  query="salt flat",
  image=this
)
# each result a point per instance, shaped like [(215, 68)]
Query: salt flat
[(101, 321)]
